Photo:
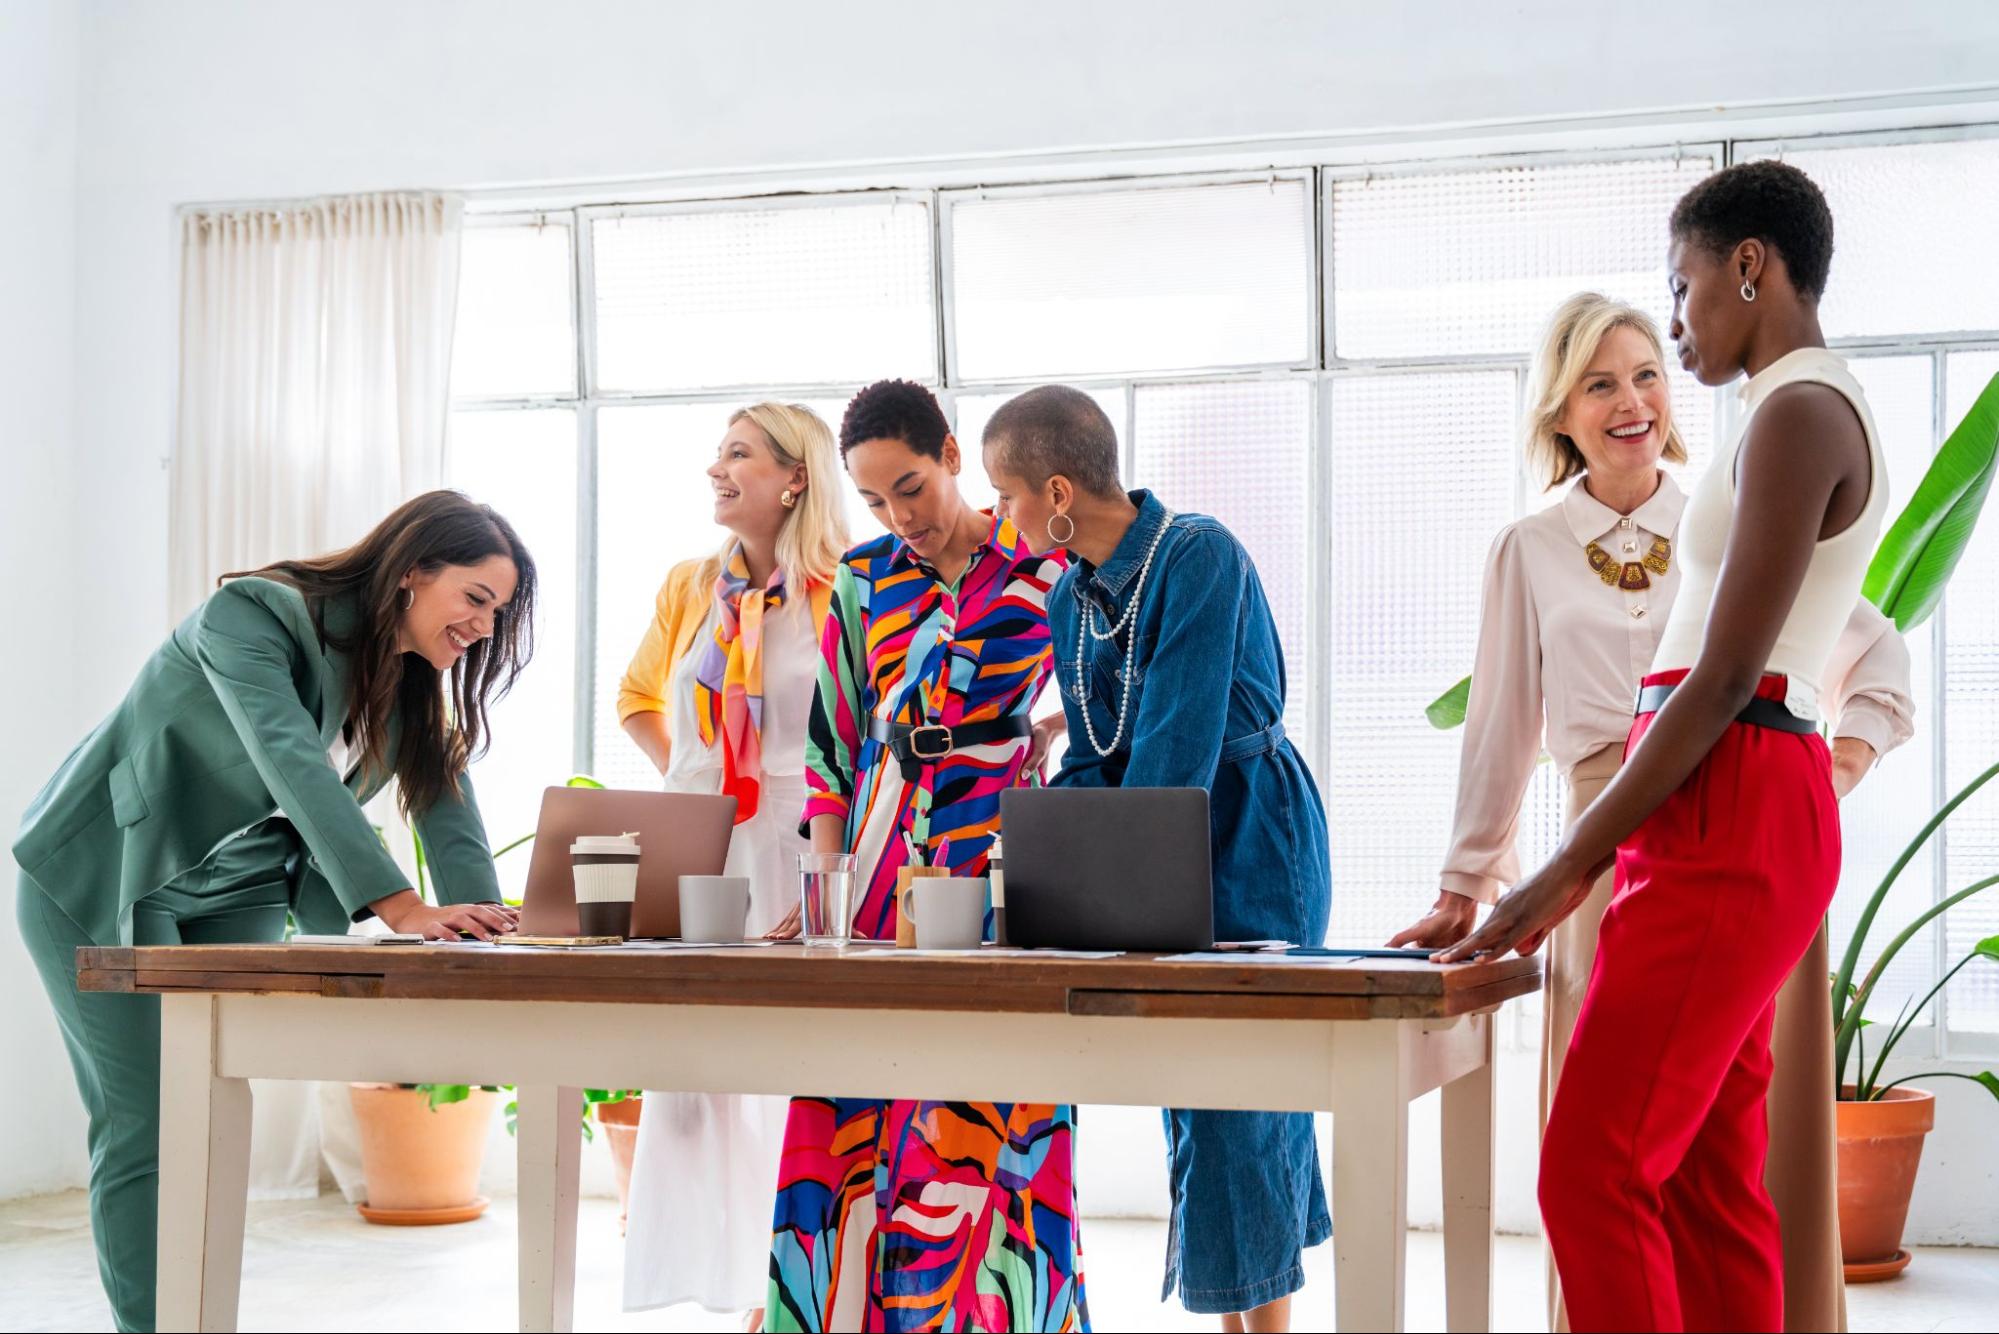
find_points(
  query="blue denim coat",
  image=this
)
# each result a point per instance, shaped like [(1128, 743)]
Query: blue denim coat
[(1206, 710)]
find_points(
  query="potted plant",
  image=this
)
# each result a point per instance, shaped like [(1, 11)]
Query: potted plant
[(422, 1147), (1882, 1125), (617, 1110)]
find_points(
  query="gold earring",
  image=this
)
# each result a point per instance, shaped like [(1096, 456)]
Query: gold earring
[(789, 500)]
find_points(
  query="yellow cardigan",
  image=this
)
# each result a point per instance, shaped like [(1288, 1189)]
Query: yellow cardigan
[(678, 614)]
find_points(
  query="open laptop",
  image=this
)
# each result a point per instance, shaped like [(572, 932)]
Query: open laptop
[(679, 834), (1108, 868)]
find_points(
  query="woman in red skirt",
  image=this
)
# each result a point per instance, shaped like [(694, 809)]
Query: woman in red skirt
[(1722, 823)]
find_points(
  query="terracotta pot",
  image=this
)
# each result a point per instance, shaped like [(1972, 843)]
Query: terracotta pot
[(620, 1123), (1880, 1144), (421, 1163)]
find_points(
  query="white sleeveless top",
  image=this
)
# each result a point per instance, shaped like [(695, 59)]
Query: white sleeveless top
[(1832, 581)]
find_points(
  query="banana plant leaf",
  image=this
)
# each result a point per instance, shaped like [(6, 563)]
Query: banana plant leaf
[(1448, 709), (1914, 561)]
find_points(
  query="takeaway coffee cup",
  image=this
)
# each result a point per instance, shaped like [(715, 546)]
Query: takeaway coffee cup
[(607, 881)]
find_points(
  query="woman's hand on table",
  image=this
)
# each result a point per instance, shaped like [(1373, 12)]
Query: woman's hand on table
[(1449, 920), (1852, 760), (1525, 915), (409, 914), (785, 930)]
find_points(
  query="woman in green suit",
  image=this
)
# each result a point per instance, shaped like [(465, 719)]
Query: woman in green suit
[(226, 790)]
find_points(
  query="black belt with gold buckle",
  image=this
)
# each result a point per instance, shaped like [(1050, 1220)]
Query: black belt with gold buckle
[(917, 744)]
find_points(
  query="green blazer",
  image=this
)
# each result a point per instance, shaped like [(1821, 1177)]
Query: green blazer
[(228, 724)]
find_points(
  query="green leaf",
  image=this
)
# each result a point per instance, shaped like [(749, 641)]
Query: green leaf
[(1448, 709), (1989, 947), (584, 780), (440, 1094), (1985, 1079), (1914, 562)]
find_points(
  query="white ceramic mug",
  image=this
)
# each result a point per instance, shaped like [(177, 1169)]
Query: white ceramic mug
[(714, 908), (949, 912)]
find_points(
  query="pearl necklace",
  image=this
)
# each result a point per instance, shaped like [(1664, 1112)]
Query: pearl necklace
[(1083, 627)]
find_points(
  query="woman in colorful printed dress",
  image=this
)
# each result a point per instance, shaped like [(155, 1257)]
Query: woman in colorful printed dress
[(717, 697), (1179, 682), (1575, 599), (923, 1215)]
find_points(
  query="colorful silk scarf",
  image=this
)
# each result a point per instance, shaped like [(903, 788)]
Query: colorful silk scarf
[(729, 679)]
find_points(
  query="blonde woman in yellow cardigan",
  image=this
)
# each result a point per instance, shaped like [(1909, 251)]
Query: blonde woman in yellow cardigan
[(718, 696)]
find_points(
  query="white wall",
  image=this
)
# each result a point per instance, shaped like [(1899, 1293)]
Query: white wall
[(203, 100), (39, 718)]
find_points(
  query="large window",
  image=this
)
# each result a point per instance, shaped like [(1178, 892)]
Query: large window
[(1328, 359)]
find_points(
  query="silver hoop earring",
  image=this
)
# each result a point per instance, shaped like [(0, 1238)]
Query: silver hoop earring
[(409, 598), (1748, 292), (1066, 538)]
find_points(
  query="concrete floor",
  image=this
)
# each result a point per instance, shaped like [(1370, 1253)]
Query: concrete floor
[(314, 1265)]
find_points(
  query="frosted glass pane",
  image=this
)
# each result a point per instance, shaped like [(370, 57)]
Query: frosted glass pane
[(655, 508), (515, 337), (523, 464), (1892, 803), (1941, 197), (830, 294), (1192, 277), (1971, 731), (1422, 480), (1476, 261), (1241, 452)]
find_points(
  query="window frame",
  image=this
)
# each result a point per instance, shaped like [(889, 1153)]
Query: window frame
[(940, 187)]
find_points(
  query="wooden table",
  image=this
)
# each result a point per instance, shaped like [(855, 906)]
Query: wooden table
[(1358, 1039)]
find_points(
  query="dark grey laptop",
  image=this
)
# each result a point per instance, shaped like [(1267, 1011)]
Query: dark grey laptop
[(1108, 868)]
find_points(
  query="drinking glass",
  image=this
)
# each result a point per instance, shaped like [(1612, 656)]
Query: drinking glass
[(826, 897)]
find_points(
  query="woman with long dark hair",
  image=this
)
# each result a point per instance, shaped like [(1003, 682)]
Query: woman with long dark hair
[(225, 792)]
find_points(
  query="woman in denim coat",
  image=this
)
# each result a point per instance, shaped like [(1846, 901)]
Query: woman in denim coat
[(1172, 676)]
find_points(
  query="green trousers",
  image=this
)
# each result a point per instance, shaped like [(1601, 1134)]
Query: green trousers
[(240, 894)]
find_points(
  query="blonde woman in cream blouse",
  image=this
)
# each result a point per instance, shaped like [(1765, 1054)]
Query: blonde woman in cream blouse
[(1575, 600)]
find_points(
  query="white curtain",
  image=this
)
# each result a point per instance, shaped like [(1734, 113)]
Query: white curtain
[(315, 369), (314, 376)]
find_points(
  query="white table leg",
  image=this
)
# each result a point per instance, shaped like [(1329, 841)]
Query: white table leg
[(1468, 1156), (1370, 1175), (549, 1140), (204, 1171)]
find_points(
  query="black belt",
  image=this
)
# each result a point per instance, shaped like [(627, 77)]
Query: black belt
[(917, 744), (1761, 711)]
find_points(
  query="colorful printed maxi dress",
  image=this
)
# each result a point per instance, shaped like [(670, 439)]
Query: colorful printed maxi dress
[(925, 1215)]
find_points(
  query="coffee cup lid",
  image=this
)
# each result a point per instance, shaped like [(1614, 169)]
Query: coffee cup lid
[(601, 843)]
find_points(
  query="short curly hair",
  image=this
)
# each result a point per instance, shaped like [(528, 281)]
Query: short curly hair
[(895, 410), (1771, 201)]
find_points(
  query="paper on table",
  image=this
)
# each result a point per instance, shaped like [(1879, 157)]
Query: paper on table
[(628, 946), (1249, 959), (698, 945), (992, 951)]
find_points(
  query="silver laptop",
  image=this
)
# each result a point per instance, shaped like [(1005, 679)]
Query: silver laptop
[(1108, 868), (679, 834)]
